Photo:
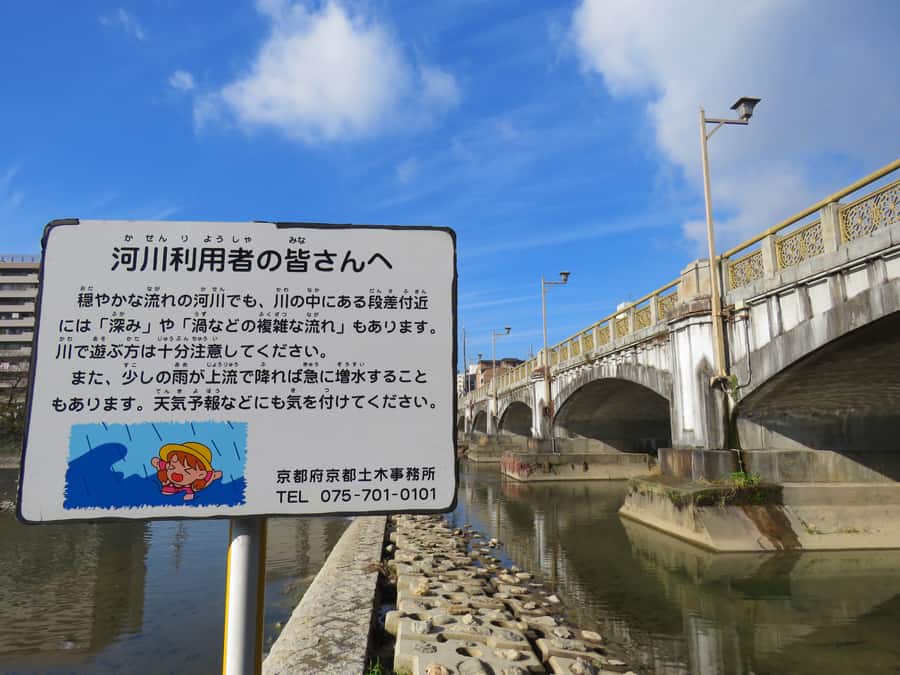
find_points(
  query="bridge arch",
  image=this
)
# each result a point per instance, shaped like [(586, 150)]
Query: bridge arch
[(516, 419), (615, 414), (479, 424), (813, 333), (841, 401), (648, 377)]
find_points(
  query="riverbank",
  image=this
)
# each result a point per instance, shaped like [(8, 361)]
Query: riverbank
[(461, 610), (436, 600)]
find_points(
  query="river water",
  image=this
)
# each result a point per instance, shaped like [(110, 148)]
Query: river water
[(678, 609), (136, 597), (148, 597)]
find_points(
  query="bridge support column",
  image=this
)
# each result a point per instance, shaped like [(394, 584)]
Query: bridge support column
[(540, 423), (492, 420), (698, 409)]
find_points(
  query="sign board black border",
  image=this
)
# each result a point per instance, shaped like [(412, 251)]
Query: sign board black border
[(65, 222)]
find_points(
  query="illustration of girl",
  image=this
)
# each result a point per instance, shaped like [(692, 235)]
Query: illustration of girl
[(184, 467)]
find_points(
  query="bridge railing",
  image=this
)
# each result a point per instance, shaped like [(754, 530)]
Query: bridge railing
[(782, 246), (796, 239)]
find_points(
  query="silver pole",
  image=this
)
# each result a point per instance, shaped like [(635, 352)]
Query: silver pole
[(244, 597), (546, 356), (714, 281)]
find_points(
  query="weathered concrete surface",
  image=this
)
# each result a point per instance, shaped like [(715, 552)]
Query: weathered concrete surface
[(797, 516), (328, 633), (489, 449), (458, 611), (533, 467)]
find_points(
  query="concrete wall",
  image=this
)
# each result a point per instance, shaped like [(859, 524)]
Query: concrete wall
[(328, 632)]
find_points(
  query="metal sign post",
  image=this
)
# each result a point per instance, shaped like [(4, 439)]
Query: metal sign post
[(244, 597)]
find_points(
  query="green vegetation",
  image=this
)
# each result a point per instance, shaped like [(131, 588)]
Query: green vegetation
[(742, 479), (738, 489), (375, 668), (733, 387)]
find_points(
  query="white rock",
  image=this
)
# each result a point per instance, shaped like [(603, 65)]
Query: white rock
[(421, 627), (508, 654)]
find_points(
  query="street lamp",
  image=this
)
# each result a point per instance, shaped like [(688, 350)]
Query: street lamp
[(494, 335), (564, 279), (744, 108)]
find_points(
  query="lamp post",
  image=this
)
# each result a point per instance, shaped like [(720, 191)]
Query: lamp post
[(564, 279), (744, 108), (494, 336), (465, 390)]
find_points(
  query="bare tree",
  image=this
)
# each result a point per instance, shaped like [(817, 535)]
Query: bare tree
[(13, 394)]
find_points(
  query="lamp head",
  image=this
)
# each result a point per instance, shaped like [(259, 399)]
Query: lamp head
[(564, 276), (744, 107), (507, 329)]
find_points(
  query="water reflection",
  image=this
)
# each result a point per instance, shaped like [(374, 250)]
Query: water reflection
[(136, 597), (66, 597), (680, 609)]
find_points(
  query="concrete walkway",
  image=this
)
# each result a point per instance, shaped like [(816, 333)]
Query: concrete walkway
[(328, 633)]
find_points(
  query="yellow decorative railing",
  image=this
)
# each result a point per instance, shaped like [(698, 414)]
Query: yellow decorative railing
[(665, 304), (643, 318), (799, 245), (867, 214), (857, 219), (745, 269), (788, 247), (603, 335)]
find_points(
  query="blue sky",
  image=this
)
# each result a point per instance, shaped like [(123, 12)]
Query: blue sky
[(557, 135)]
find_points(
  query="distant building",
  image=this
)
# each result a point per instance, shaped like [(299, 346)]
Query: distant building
[(18, 296), (485, 370)]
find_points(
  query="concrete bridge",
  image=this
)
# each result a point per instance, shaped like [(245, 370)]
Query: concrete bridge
[(811, 392)]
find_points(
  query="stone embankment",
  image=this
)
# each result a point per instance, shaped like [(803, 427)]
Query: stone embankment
[(460, 612), (328, 633)]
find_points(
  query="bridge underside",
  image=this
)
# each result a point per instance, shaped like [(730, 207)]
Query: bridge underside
[(616, 415), (516, 420), (842, 400), (479, 424)]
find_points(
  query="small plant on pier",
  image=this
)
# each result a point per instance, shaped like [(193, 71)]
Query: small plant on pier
[(375, 668), (742, 479)]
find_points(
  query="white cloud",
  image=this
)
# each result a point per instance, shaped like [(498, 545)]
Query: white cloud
[(127, 22), (10, 198), (7, 176), (330, 74), (164, 213), (407, 170), (439, 87), (181, 80), (823, 70)]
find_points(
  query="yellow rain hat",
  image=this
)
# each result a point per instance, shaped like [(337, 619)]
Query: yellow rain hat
[(198, 450)]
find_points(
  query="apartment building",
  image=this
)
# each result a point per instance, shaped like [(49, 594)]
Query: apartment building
[(18, 296)]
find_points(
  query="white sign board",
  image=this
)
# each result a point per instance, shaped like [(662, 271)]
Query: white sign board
[(196, 370)]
